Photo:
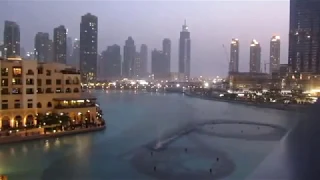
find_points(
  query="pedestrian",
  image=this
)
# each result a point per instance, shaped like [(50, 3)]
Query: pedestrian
[(186, 149), (151, 153), (217, 159), (210, 171), (155, 168)]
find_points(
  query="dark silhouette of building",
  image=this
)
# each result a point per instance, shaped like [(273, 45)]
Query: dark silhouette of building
[(129, 55), (274, 54), (144, 59), (304, 38), (185, 51), (88, 47), (234, 56), (166, 49), (111, 63), (41, 47), (60, 44), (159, 66), (11, 37), (255, 57)]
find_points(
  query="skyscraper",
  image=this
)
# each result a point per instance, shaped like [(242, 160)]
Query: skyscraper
[(11, 37), (129, 54), (274, 54), (304, 39), (41, 47), (255, 57), (137, 67), (159, 66), (144, 59), (88, 47), (2, 50), (50, 51), (76, 54), (166, 49), (60, 44), (69, 50), (111, 63), (184, 51), (234, 56)]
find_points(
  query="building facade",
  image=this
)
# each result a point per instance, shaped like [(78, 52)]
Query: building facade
[(144, 59), (159, 66), (11, 38), (185, 52), (60, 44), (166, 49), (129, 55), (41, 47), (304, 39), (75, 60), (88, 47), (29, 88), (255, 57), (111, 63), (274, 54), (234, 56)]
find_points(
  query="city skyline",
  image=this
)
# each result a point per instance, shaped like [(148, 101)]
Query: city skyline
[(208, 57)]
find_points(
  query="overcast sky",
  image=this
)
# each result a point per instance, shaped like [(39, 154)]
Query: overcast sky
[(211, 23)]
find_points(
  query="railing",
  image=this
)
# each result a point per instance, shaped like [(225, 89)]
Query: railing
[(75, 106)]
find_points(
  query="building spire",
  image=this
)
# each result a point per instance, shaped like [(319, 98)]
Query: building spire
[(185, 27), (185, 22)]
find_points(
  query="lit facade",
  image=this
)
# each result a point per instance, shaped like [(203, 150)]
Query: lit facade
[(255, 57), (234, 56), (274, 54), (129, 55), (60, 45), (185, 52), (88, 47), (246, 81), (11, 38), (29, 88), (304, 39), (41, 47)]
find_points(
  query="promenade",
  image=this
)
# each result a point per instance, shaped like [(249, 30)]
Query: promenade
[(22, 136)]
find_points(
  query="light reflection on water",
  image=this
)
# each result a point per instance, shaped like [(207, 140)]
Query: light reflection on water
[(134, 120)]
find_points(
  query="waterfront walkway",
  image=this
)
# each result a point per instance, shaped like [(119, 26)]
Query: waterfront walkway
[(35, 136)]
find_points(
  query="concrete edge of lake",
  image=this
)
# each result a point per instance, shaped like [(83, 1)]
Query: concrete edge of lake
[(16, 139), (287, 107)]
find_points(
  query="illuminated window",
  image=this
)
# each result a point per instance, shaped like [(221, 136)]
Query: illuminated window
[(17, 71)]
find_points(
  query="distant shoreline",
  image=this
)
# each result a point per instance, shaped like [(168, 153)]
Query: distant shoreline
[(17, 139), (283, 107)]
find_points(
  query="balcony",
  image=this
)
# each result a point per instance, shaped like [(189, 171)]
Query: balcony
[(70, 71), (84, 105)]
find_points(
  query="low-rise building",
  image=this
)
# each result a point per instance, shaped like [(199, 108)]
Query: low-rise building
[(29, 88), (247, 81)]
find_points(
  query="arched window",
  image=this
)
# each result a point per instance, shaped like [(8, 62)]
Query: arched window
[(68, 80), (39, 105), (76, 90), (49, 105), (68, 90)]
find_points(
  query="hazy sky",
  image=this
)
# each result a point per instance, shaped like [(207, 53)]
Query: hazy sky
[(211, 23)]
